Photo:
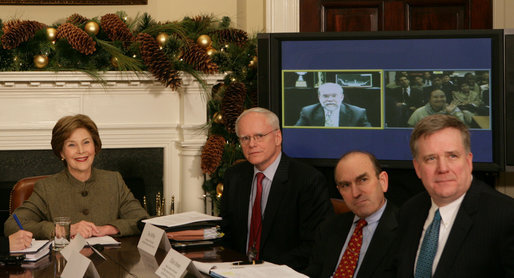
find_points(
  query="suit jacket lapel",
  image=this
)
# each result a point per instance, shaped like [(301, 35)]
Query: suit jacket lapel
[(245, 187), (276, 195), (413, 236), (345, 117), (342, 228), (318, 116), (459, 231), (380, 243)]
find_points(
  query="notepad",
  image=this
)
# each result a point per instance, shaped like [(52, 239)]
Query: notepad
[(36, 251)]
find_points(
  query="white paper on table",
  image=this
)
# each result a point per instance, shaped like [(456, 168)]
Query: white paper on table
[(264, 270), (182, 218), (102, 240)]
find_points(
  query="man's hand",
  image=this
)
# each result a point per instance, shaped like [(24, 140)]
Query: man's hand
[(20, 240)]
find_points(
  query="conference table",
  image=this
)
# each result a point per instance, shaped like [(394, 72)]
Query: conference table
[(125, 260)]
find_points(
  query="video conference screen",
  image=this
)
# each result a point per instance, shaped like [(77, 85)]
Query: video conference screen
[(342, 95)]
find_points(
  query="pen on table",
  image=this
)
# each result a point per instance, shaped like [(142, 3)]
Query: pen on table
[(17, 221)]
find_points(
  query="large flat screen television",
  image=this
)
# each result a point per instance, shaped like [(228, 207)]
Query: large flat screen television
[(379, 84)]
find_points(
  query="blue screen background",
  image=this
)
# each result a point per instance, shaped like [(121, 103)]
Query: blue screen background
[(388, 55)]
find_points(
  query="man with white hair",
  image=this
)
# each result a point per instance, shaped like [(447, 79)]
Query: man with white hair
[(331, 111)]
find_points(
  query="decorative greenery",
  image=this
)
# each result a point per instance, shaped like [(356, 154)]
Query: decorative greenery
[(196, 45)]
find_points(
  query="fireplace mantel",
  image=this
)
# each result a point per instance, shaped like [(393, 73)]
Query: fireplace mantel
[(131, 111)]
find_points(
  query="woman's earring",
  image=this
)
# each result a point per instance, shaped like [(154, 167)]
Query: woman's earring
[(62, 158)]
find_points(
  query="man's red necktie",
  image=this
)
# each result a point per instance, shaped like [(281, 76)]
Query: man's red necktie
[(255, 224), (348, 263)]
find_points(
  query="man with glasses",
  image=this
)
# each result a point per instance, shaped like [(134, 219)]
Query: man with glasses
[(271, 204)]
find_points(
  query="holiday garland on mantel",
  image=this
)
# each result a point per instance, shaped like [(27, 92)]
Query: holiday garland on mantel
[(197, 45)]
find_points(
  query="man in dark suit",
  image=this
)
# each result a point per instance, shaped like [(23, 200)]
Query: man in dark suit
[(402, 102), (294, 196), (459, 227), (331, 111), (362, 184)]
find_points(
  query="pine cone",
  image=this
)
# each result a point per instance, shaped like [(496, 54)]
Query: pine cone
[(212, 153), (157, 62), (232, 104), (10, 24), (77, 19), (116, 29), (17, 32), (196, 56), (232, 35), (77, 38)]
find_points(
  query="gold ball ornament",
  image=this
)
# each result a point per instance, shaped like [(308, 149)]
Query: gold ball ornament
[(204, 41), (40, 61), (51, 33), (162, 39), (114, 62), (217, 118), (219, 190), (253, 62), (92, 28), (210, 51)]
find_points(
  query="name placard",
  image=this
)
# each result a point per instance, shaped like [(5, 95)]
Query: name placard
[(175, 265), (153, 238), (78, 265), (76, 244)]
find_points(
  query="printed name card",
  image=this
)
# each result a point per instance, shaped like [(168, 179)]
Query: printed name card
[(153, 238), (76, 244), (176, 265), (78, 265)]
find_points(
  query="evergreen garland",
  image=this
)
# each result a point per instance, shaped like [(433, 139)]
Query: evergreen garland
[(115, 49)]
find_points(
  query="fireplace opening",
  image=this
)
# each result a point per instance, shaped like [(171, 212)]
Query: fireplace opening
[(141, 168)]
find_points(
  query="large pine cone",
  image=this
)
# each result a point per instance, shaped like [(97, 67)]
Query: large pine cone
[(77, 38), (17, 32), (212, 153), (232, 104), (232, 35), (77, 19), (157, 62), (196, 56), (115, 28), (10, 24)]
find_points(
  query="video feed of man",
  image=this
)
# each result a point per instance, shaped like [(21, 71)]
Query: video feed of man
[(332, 99), (413, 95)]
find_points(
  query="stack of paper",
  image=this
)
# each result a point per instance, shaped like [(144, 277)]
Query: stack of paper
[(36, 251), (189, 228)]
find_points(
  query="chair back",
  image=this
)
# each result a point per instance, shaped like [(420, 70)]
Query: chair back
[(339, 205), (21, 191)]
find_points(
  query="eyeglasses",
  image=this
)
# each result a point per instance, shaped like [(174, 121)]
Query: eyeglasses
[(245, 140)]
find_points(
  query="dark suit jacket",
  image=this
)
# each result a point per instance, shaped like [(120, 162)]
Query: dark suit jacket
[(297, 203), (349, 115), (332, 235), (480, 243), (416, 97)]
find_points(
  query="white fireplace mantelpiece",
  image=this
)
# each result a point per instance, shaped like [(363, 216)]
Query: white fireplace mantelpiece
[(131, 111)]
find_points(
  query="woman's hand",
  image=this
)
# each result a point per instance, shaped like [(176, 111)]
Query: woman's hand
[(106, 230), (20, 240), (84, 228)]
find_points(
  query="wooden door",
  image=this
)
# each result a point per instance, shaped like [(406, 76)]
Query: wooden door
[(384, 15)]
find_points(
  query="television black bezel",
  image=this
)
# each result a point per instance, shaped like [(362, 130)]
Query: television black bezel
[(270, 83)]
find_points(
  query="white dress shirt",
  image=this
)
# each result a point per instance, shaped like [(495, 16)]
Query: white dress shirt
[(448, 214)]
